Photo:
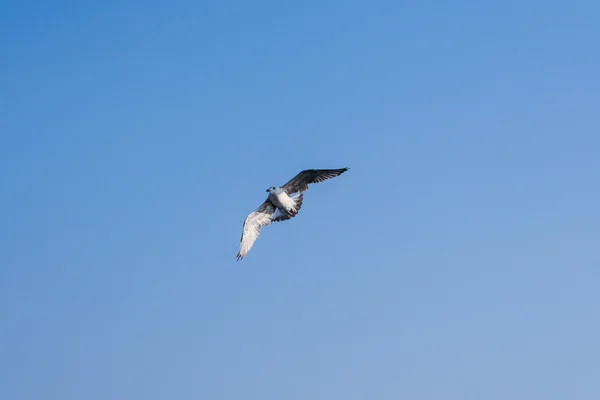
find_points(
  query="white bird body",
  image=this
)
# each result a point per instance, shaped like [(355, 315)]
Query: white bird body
[(281, 199)]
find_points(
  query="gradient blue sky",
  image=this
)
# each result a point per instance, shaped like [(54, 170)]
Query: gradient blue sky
[(459, 258)]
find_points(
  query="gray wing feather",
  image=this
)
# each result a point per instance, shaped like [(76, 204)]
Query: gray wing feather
[(252, 226), (300, 182)]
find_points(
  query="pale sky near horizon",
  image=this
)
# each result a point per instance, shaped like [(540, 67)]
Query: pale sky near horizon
[(457, 259)]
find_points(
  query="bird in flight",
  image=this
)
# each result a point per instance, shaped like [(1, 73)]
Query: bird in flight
[(282, 204)]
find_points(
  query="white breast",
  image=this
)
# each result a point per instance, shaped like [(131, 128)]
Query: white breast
[(281, 199)]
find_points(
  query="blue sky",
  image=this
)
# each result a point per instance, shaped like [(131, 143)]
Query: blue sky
[(458, 258)]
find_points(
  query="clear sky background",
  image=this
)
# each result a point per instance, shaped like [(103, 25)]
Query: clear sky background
[(458, 258)]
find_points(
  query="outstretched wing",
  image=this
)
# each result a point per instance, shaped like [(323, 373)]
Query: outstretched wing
[(252, 225), (300, 182)]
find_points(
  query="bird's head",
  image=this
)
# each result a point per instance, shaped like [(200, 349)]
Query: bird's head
[(271, 189)]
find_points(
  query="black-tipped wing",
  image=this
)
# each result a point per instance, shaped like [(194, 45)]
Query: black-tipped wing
[(252, 226), (300, 182)]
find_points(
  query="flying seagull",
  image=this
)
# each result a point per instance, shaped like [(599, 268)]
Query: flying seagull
[(282, 204)]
